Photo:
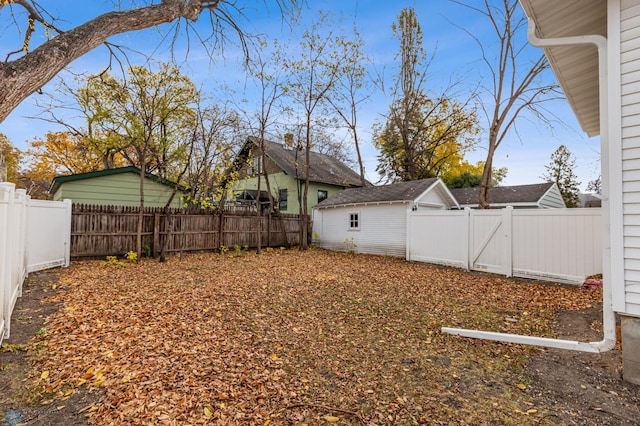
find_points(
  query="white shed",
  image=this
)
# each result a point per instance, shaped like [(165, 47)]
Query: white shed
[(374, 219)]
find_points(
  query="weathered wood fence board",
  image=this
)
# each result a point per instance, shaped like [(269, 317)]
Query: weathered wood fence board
[(98, 231)]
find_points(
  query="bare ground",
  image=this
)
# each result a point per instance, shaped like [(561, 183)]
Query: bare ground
[(559, 387)]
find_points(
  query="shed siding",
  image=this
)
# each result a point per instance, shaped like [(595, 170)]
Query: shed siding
[(552, 199), (118, 189), (434, 198), (382, 229), (630, 93)]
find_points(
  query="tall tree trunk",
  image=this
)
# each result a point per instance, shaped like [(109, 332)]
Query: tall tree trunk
[(304, 235), (363, 181), (485, 183), (259, 206), (143, 166)]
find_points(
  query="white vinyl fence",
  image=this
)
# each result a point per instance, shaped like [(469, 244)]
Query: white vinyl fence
[(563, 245), (34, 235)]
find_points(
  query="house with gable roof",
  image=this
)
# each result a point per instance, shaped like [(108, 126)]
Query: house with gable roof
[(116, 187), (533, 196), (373, 219), (285, 168)]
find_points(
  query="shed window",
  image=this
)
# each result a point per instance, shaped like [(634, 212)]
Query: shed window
[(322, 195), (354, 220), (282, 200)]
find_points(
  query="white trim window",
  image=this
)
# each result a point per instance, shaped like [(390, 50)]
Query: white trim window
[(354, 221)]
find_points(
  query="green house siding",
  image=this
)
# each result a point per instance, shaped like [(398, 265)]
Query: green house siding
[(121, 189), (295, 190)]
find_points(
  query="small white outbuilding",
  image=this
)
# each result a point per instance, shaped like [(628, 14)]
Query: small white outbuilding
[(374, 219)]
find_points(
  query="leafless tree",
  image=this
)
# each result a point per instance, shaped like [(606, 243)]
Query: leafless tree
[(516, 82), (35, 65), (269, 78), (352, 90)]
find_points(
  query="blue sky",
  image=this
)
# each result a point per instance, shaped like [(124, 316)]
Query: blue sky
[(457, 58)]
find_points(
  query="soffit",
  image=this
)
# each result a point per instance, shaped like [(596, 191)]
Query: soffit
[(576, 66)]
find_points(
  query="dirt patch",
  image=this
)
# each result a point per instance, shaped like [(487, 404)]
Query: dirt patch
[(28, 329), (583, 388)]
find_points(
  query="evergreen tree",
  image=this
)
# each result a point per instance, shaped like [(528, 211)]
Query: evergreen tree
[(560, 171)]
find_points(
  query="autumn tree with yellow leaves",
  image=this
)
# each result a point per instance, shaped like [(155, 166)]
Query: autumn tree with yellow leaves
[(423, 135)]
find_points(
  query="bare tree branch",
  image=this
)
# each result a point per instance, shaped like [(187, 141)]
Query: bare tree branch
[(23, 76)]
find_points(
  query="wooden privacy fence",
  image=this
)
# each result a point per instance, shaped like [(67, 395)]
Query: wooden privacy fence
[(98, 231)]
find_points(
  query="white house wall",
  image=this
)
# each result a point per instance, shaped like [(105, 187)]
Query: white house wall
[(630, 98), (382, 229)]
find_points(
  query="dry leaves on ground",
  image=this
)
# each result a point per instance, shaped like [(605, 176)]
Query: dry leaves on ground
[(293, 337)]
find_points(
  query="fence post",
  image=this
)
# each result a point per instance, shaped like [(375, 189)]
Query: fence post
[(467, 224), (68, 211), (507, 229), (156, 234), (6, 260), (20, 251)]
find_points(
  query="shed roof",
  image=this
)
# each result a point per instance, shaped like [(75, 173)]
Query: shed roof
[(518, 194), (575, 66), (397, 192), (323, 168), (58, 180)]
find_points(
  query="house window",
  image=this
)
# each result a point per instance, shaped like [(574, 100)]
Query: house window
[(256, 166), (322, 195), (354, 221), (282, 200)]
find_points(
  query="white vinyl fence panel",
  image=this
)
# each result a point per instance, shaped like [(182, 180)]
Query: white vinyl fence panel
[(567, 243), (562, 245), (49, 234), (29, 229), (439, 237)]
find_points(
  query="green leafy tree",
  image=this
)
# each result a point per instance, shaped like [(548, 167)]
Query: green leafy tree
[(560, 170), (472, 178), (465, 180), (147, 117), (423, 134)]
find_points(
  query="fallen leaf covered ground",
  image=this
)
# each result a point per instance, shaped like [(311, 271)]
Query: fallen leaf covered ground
[(291, 337)]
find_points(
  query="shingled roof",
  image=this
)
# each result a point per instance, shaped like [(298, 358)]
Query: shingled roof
[(518, 194), (397, 192), (323, 168)]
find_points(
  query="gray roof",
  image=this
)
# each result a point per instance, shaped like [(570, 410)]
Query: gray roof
[(403, 191), (504, 194), (323, 168)]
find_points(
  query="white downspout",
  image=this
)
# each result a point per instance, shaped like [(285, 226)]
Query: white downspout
[(609, 340)]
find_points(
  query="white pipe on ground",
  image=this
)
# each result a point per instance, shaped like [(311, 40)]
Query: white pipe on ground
[(608, 316)]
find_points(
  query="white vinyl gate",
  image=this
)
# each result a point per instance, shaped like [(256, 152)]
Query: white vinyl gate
[(562, 245), (34, 235)]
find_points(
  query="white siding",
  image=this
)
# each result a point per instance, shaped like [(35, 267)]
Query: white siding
[(433, 199), (630, 98), (382, 229)]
